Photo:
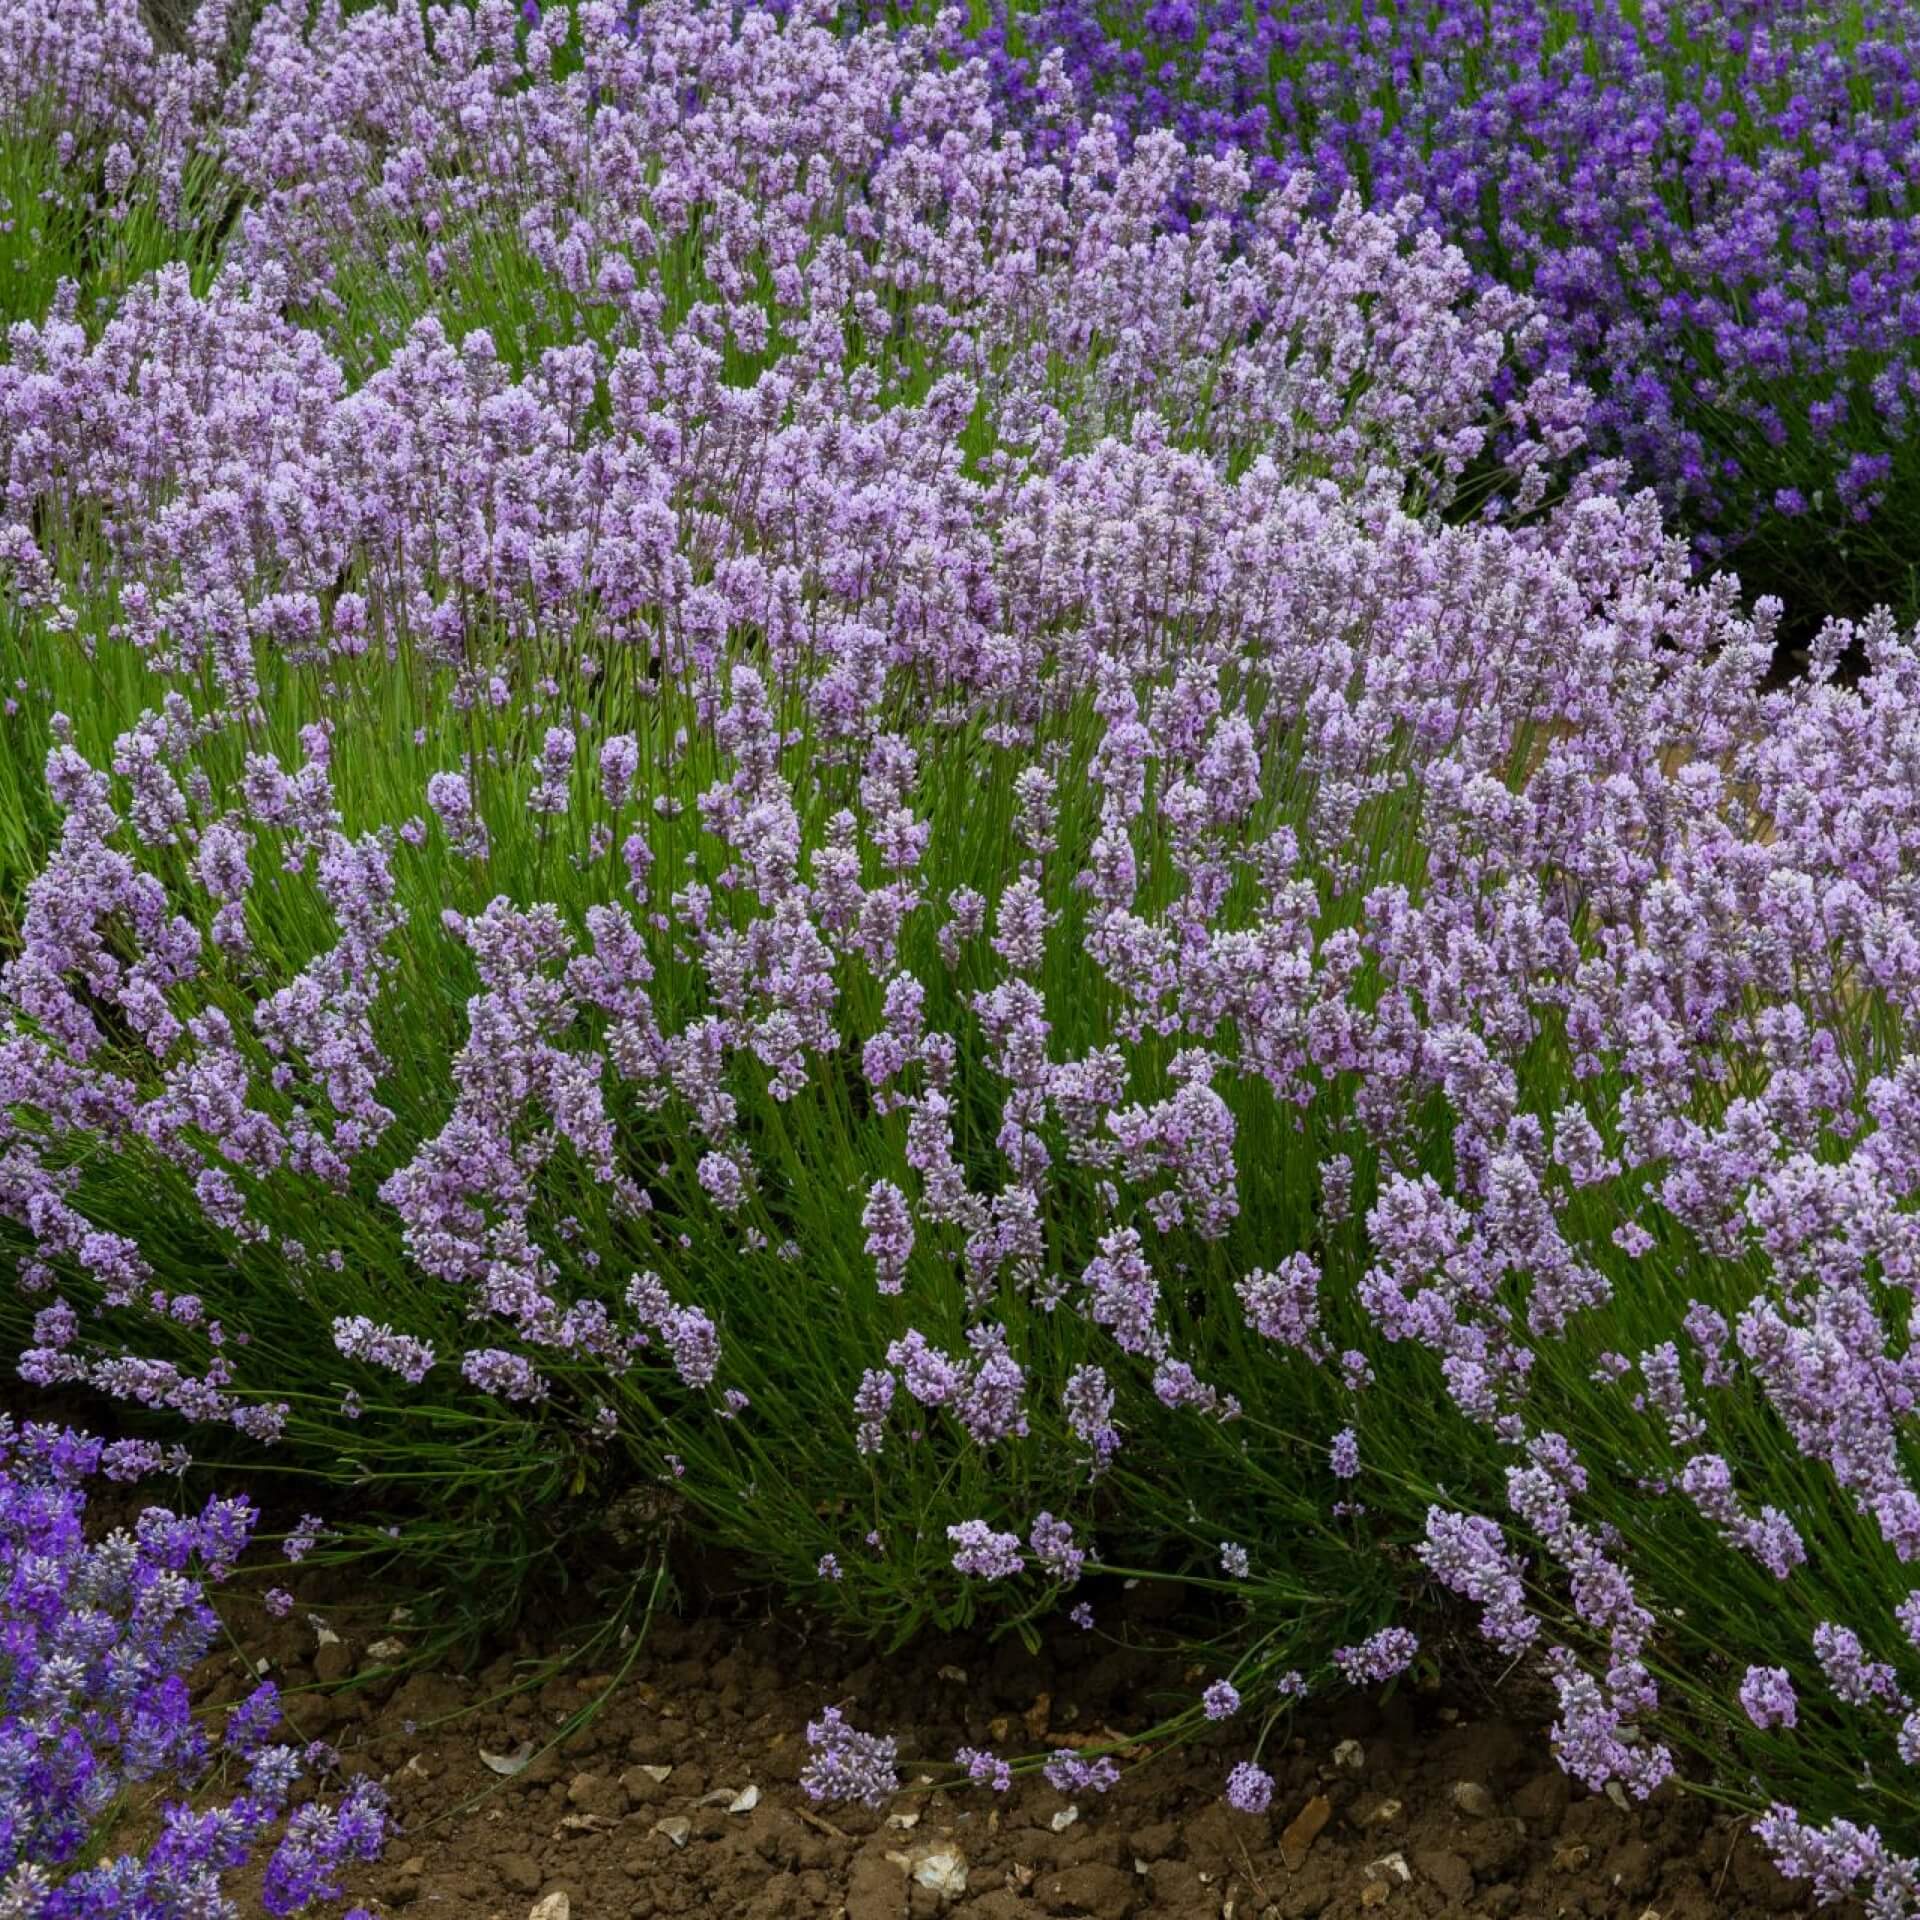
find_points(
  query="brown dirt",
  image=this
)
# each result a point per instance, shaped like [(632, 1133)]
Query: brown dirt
[(1434, 1805)]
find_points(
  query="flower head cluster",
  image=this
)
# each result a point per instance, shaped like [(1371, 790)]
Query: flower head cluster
[(96, 1639), (846, 1764)]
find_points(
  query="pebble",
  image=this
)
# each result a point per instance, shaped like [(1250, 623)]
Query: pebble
[(1472, 1799), (1378, 1813), (941, 1870), (555, 1906), (1303, 1830), (596, 1793), (404, 1888)]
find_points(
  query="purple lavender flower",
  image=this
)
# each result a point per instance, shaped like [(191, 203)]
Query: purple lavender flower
[(1056, 1550), (983, 1554), (1249, 1788), (1767, 1695), (100, 1635), (510, 1376), (360, 1339), (889, 1228), (1068, 1772), (550, 793), (1465, 1553), (984, 1769), (845, 1764), (1221, 1701), (1379, 1657)]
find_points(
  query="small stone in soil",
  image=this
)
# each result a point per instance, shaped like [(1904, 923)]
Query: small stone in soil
[(1472, 1799), (641, 1786), (1377, 1813), (1303, 1830)]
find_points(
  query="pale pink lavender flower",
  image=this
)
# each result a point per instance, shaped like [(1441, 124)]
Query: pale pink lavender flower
[(1221, 1700), (1379, 1657), (1249, 1788), (1068, 1772), (1767, 1695), (982, 1554), (984, 1769), (845, 1764)]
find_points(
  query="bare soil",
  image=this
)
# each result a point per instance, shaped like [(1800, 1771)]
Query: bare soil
[(681, 1796)]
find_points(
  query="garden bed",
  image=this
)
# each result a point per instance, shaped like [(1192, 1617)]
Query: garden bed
[(763, 787), (1436, 1802)]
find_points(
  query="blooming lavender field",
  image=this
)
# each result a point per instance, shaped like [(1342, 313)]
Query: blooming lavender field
[(994, 804)]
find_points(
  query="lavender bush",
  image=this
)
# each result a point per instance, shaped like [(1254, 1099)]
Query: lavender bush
[(96, 1638), (1714, 207), (107, 164), (725, 775)]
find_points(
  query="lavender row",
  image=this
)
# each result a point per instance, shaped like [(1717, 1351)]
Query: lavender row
[(1714, 207)]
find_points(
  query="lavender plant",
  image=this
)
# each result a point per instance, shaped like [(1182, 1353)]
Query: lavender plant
[(894, 856), (96, 1639)]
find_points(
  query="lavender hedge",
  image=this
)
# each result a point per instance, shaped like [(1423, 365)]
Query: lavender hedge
[(1715, 208), (722, 778)]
